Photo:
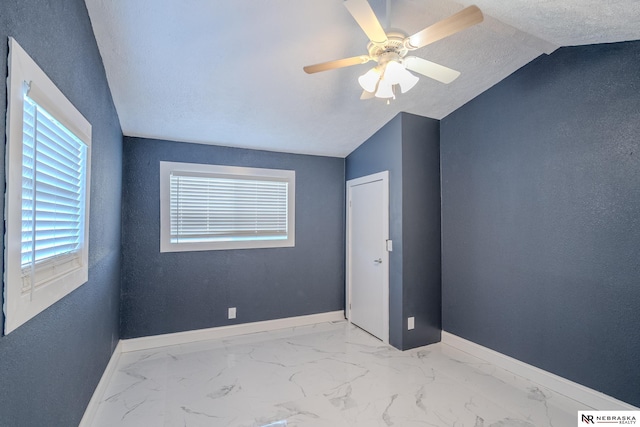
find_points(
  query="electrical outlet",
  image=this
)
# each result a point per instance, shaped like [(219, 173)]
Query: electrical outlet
[(232, 312), (411, 323)]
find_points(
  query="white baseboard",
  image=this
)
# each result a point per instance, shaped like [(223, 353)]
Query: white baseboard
[(575, 391), (145, 343), (92, 407)]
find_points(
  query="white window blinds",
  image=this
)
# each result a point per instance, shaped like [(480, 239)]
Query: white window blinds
[(207, 207), (48, 179), (53, 197), (213, 208)]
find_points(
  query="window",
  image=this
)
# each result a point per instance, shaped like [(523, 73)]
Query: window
[(209, 207), (46, 229)]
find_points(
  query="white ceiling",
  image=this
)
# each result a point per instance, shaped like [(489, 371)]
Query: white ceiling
[(230, 72)]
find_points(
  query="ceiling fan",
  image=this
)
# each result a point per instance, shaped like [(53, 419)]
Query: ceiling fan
[(389, 50)]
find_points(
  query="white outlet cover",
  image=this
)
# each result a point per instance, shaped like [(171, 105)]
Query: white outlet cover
[(411, 323), (232, 312)]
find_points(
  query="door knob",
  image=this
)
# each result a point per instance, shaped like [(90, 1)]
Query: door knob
[(378, 261)]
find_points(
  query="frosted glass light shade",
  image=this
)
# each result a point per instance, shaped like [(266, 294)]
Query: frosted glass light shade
[(397, 74), (385, 89), (408, 81), (369, 80), (381, 79), (393, 72)]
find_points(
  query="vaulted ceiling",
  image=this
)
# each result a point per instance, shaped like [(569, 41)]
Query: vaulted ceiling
[(230, 72)]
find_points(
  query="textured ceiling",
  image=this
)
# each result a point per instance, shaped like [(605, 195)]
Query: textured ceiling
[(230, 72)]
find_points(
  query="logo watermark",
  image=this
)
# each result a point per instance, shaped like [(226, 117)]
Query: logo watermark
[(625, 418)]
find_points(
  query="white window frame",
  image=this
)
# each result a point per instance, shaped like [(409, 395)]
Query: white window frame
[(233, 172), (26, 77)]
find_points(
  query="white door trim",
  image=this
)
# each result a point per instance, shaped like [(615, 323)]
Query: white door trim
[(384, 177)]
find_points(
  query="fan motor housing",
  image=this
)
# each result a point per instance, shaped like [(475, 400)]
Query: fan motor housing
[(393, 49)]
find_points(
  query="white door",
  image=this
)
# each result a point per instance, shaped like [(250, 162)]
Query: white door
[(367, 256)]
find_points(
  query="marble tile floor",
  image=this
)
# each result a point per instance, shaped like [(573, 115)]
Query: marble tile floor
[(325, 375)]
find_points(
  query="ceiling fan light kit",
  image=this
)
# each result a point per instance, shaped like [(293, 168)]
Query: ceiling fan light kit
[(390, 49)]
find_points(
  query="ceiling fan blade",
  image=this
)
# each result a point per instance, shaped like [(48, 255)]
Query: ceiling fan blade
[(367, 95), (340, 63), (431, 69), (466, 18), (366, 18)]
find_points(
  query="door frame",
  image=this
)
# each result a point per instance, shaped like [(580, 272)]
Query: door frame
[(384, 177)]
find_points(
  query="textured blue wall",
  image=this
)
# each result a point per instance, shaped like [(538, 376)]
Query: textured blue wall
[(541, 217), (421, 230), (171, 292), (50, 366)]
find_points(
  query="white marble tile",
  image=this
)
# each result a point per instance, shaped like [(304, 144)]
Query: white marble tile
[(330, 374)]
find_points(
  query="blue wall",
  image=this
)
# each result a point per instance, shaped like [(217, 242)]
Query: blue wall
[(50, 366), (541, 217), (421, 275), (171, 292), (408, 147)]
